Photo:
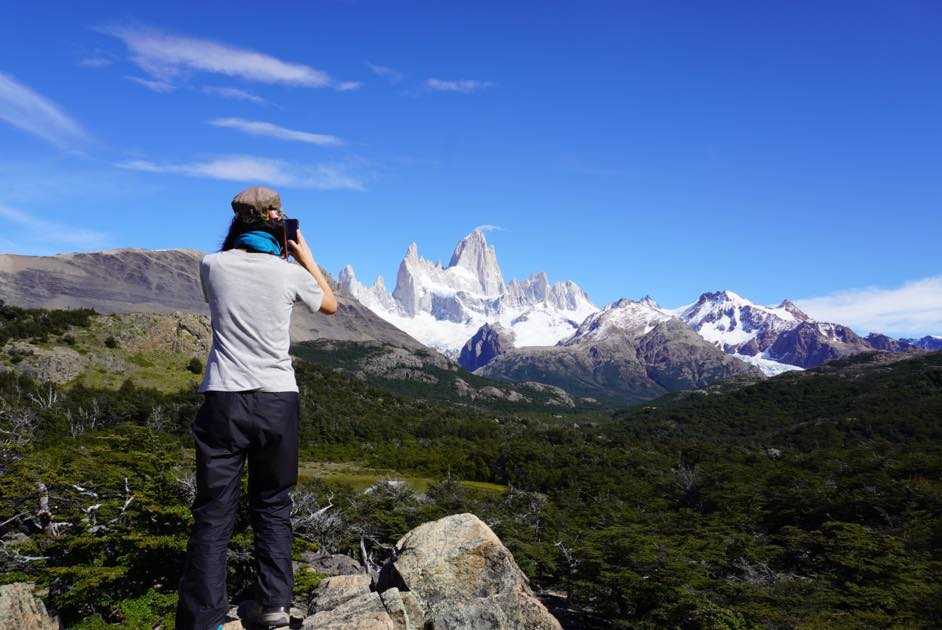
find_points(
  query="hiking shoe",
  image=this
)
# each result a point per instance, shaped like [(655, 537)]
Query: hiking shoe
[(270, 617)]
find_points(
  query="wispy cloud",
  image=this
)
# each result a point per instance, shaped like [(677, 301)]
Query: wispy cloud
[(386, 72), (912, 309), (161, 87), (261, 128), (234, 94), (489, 227), (465, 86), (346, 86), (51, 231), (95, 61), (245, 168), (35, 114), (167, 57)]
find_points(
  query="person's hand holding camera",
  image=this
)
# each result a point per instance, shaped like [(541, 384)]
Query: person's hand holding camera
[(301, 252)]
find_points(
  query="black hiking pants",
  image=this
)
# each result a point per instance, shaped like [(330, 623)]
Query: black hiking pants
[(230, 426)]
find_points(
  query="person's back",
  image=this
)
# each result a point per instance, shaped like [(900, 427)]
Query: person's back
[(250, 411), (250, 297)]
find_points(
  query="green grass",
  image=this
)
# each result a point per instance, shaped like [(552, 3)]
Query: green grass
[(360, 477), (164, 371)]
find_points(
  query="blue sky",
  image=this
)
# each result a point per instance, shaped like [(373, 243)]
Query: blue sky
[(778, 149)]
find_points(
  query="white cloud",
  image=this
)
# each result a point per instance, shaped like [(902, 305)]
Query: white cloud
[(235, 94), (245, 168), (50, 231), (35, 114), (260, 128), (386, 72), (346, 86), (162, 87), (465, 86), (488, 227), (912, 309), (168, 57)]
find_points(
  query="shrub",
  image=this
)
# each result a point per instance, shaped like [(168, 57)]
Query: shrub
[(195, 366)]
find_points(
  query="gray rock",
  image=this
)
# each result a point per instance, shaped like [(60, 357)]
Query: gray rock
[(462, 576), (396, 609), (21, 610), (335, 590), (331, 565), (362, 612)]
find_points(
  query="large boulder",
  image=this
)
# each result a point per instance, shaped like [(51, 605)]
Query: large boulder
[(21, 610), (462, 576), (449, 574)]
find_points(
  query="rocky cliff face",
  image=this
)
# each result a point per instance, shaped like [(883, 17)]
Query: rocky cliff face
[(117, 280), (810, 344), (486, 344)]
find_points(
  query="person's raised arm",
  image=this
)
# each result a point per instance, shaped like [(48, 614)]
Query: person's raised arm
[(302, 253)]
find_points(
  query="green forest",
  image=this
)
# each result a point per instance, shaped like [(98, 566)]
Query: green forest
[(808, 500)]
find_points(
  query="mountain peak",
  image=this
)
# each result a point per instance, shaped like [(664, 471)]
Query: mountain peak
[(721, 297), (474, 254), (635, 318), (346, 275), (796, 312)]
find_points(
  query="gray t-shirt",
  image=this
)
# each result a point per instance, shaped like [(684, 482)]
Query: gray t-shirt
[(250, 299)]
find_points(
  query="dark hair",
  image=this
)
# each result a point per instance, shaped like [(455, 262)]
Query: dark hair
[(238, 227)]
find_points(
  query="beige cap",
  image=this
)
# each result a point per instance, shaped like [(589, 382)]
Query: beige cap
[(256, 204)]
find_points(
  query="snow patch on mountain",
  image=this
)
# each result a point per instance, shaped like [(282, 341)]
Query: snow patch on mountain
[(769, 367)]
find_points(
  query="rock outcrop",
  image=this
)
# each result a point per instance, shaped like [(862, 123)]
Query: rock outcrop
[(460, 575), (21, 610), (488, 342), (449, 574)]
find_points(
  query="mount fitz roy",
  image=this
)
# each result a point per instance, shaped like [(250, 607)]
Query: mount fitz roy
[(468, 312), (444, 306)]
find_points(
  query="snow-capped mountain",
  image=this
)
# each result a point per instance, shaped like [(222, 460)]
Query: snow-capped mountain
[(775, 338), (738, 326), (625, 317), (444, 306), (630, 351)]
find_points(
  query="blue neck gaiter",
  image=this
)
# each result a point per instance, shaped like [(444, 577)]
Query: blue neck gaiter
[(258, 241)]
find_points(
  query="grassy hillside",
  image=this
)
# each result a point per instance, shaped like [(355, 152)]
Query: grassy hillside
[(82, 347)]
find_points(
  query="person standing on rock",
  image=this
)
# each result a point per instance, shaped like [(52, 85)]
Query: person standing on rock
[(250, 411)]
